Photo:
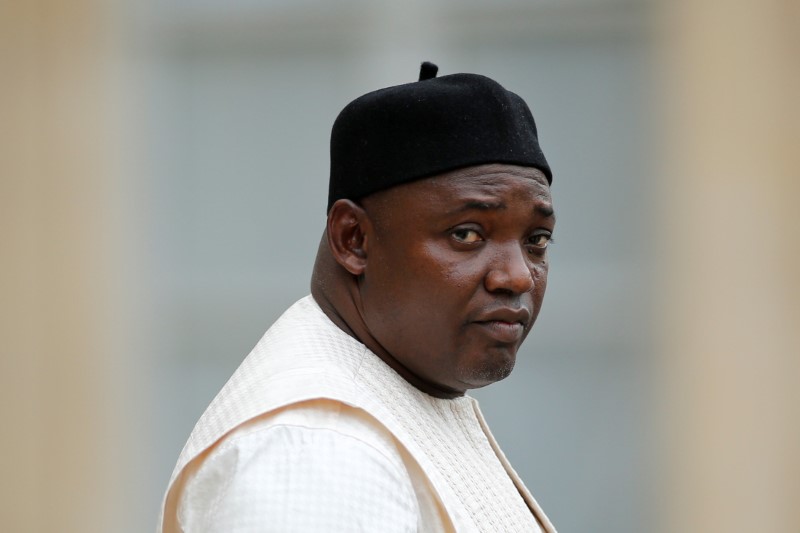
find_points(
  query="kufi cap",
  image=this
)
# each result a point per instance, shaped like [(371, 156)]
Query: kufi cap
[(421, 129)]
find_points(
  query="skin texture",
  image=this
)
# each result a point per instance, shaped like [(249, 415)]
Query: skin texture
[(443, 277)]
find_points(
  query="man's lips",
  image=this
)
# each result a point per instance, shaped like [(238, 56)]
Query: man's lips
[(506, 332), (504, 324)]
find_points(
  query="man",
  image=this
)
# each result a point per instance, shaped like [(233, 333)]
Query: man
[(350, 415)]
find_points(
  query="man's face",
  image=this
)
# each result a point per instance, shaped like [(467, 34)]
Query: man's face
[(456, 271)]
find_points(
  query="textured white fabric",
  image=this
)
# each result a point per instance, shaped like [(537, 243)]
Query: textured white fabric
[(442, 449), (320, 466)]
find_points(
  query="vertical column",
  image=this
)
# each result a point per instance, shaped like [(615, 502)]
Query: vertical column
[(730, 266), (54, 313)]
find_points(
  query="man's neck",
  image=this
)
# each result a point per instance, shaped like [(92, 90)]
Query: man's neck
[(337, 293)]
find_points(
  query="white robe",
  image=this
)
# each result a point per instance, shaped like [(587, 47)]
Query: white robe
[(314, 432)]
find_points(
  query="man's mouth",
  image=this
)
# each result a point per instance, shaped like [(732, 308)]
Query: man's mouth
[(505, 324), (502, 331)]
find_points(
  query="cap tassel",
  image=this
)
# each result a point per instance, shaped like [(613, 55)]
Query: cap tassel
[(427, 71)]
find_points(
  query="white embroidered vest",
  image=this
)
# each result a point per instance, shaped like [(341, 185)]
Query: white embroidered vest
[(304, 356)]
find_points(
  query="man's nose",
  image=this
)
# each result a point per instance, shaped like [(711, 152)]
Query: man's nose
[(510, 270)]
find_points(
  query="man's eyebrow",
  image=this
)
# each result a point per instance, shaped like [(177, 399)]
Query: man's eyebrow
[(544, 210), (478, 205)]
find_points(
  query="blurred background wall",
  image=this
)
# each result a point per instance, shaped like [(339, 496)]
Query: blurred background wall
[(163, 170)]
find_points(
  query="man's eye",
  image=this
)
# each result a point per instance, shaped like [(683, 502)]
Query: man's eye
[(466, 235), (540, 241)]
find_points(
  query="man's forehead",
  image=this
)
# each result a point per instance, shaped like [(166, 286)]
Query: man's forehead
[(469, 187), (488, 179), (493, 172)]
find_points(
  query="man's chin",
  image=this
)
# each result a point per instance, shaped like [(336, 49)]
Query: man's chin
[(494, 370)]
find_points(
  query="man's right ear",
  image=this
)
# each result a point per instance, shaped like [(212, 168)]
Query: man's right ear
[(347, 236)]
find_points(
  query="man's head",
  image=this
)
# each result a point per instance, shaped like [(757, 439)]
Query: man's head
[(443, 276)]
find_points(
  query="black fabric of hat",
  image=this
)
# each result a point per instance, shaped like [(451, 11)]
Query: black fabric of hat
[(421, 129)]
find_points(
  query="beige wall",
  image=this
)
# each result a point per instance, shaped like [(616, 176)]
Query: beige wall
[(729, 266), (56, 268)]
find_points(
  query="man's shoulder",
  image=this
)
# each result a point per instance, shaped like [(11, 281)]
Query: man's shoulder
[(304, 339), (302, 357), (308, 419), (334, 462)]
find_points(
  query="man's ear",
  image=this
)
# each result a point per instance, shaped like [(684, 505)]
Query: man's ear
[(347, 235)]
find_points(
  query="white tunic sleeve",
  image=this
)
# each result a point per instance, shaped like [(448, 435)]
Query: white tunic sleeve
[(283, 477)]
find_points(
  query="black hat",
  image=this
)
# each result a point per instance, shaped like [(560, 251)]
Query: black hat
[(421, 129)]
